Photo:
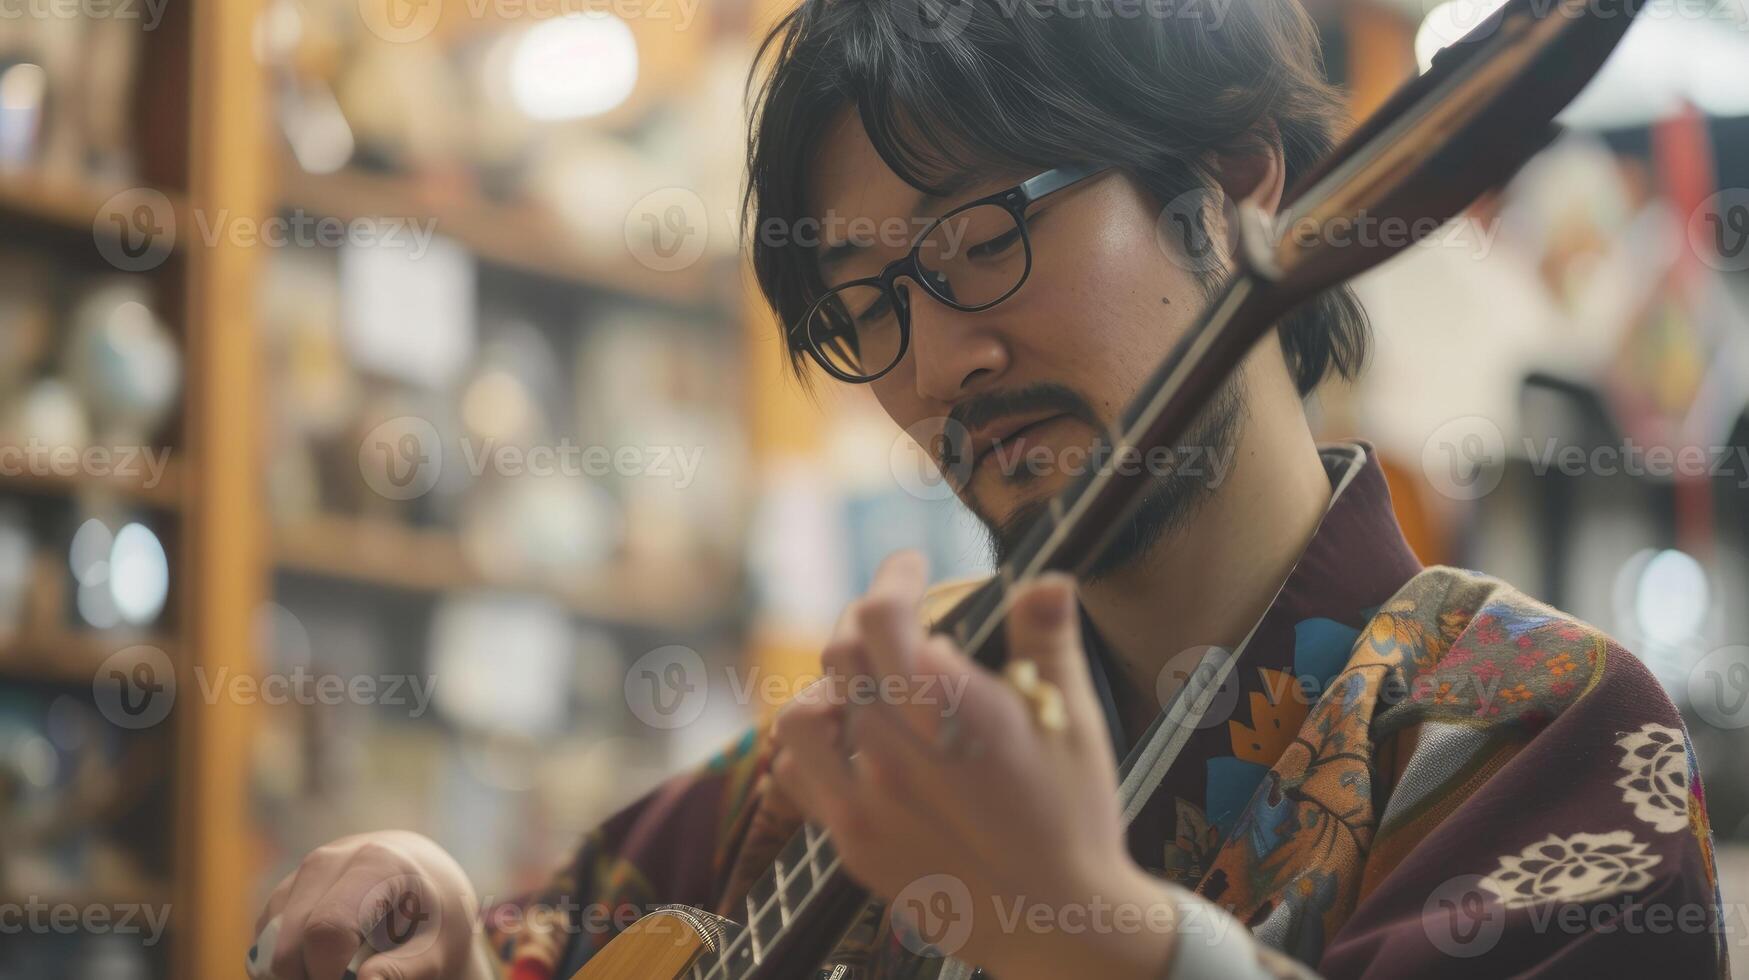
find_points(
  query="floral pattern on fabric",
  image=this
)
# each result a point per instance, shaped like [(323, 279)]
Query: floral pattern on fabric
[(1544, 708), (1579, 868), (1655, 783)]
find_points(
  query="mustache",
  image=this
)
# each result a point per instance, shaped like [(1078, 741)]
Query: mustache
[(981, 410)]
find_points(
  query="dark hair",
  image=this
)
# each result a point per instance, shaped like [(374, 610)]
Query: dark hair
[(1042, 83)]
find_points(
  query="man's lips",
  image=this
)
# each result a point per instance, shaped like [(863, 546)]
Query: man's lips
[(1012, 437)]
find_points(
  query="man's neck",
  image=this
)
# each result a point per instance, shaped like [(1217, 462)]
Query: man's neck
[(1210, 581)]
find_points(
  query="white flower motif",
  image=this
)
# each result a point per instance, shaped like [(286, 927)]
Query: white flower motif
[(1654, 761), (1581, 868)]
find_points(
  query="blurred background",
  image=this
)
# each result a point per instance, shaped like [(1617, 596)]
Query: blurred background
[(384, 407)]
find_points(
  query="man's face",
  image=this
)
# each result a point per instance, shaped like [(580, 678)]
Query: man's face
[(1037, 380)]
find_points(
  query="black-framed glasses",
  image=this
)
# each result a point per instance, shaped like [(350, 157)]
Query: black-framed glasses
[(970, 259)]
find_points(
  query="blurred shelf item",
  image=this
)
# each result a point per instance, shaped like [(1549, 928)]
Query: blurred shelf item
[(383, 554), (136, 896), (83, 206), (165, 493), (68, 657), (517, 236)]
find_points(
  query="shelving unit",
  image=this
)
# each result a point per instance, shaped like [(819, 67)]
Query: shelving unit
[(387, 555), (516, 236), (206, 141), (75, 204), (197, 123)]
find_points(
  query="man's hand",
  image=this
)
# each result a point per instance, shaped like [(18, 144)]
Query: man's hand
[(392, 905), (945, 796)]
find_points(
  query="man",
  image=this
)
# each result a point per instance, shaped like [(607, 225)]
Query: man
[(1334, 761)]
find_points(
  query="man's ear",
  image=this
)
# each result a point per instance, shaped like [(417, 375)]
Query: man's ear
[(1256, 172)]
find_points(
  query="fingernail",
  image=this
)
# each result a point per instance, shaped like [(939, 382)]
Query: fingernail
[(1057, 609)]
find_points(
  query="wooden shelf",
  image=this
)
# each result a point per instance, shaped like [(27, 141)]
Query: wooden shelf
[(67, 657), (165, 494), (75, 204), (517, 236), (387, 555), (143, 895)]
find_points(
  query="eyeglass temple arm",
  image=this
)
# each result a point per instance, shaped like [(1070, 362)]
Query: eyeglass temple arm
[(1052, 181)]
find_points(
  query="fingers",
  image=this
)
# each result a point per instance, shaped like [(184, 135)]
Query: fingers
[(275, 902), (407, 963), (334, 928), (887, 617), (891, 631), (365, 904), (1044, 628), (309, 883), (809, 765)]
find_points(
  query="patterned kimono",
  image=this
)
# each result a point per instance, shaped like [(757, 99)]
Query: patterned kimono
[(1401, 771)]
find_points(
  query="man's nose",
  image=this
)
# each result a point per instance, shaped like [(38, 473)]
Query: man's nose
[(955, 353)]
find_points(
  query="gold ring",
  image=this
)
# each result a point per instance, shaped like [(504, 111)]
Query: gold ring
[(1046, 699)]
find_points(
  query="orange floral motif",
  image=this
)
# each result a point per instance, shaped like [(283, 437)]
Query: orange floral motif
[(1560, 664), (1277, 712), (1517, 693)]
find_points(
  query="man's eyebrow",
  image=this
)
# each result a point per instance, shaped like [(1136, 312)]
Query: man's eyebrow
[(955, 184)]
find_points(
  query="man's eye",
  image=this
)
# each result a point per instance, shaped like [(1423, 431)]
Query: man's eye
[(995, 246), (880, 309)]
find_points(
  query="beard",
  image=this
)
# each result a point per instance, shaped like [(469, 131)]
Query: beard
[(1170, 503)]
